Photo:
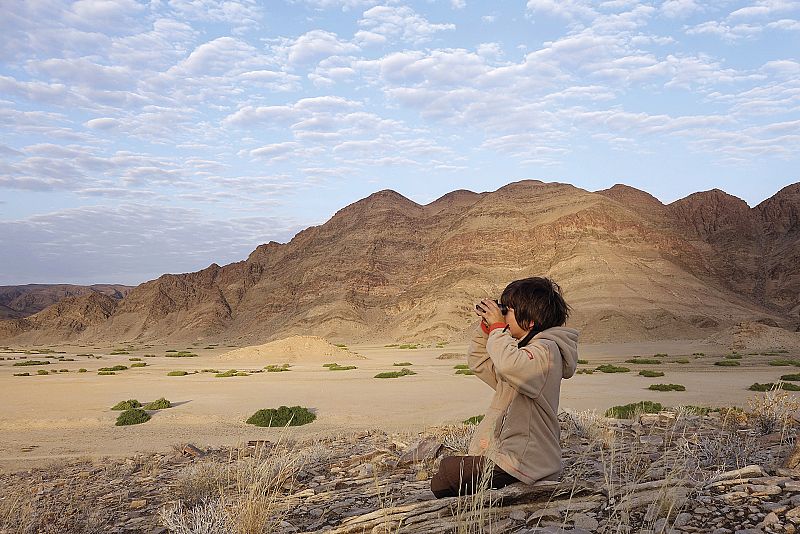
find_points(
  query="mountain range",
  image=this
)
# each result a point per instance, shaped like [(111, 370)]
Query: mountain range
[(388, 269)]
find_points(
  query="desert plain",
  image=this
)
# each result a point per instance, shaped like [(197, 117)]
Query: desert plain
[(67, 415)]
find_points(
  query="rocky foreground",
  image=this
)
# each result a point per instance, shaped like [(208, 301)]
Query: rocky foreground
[(679, 470)]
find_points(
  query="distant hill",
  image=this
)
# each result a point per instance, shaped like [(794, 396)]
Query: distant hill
[(21, 301), (386, 268)]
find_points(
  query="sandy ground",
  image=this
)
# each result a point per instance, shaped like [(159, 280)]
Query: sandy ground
[(66, 415)]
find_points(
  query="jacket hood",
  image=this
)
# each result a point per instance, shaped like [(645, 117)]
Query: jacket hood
[(567, 341)]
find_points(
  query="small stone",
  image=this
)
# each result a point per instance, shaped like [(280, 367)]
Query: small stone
[(682, 519), (792, 485), (793, 515), (655, 441), (721, 531), (702, 510), (137, 505), (659, 525), (366, 470), (517, 515), (770, 519), (584, 521)]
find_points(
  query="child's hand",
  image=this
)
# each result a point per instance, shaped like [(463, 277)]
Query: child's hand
[(491, 312)]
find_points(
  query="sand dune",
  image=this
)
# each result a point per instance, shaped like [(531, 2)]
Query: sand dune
[(294, 349)]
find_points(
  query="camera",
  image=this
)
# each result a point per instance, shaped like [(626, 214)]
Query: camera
[(503, 307)]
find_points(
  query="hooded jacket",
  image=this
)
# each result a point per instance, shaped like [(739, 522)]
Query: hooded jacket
[(520, 430)]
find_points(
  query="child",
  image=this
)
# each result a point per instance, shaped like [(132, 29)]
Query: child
[(521, 349)]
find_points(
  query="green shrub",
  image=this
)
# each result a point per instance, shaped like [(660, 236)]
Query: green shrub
[(608, 368), (63, 370), (775, 352), (341, 345), (784, 363), (650, 374), (132, 417), (681, 360), (138, 364), (129, 404), (791, 378), (283, 416), (461, 366), (474, 420), (118, 352), (177, 373), (115, 368), (209, 371), (583, 362), (82, 370), (392, 345), (180, 354), (134, 359), (402, 364), (105, 373), (585, 371), (229, 373), (770, 386), (22, 374), (667, 387), (42, 372), (337, 367), (30, 362), (396, 374), (408, 346), (149, 355), (698, 354), (277, 368), (643, 361), (733, 356), (468, 372), (627, 411), (727, 363), (660, 355), (158, 404)]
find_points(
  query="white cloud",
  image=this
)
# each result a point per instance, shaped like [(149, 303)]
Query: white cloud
[(382, 24), (563, 8), (315, 45), (679, 8), (458, 4)]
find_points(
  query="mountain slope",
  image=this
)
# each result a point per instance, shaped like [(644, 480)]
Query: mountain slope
[(386, 268)]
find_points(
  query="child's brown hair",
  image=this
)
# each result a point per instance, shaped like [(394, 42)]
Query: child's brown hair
[(537, 303)]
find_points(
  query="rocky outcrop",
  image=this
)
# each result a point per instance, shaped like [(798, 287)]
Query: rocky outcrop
[(21, 301), (387, 268)]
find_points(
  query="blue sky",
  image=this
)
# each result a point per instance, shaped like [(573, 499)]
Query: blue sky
[(147, 137)]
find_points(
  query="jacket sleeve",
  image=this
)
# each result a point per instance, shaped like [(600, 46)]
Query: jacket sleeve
[(526, 369), (477, 358)]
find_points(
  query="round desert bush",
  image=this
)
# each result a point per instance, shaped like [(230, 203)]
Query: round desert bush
[(402, 364), (22, 374), (132, 417), (769, 386), (626, 411), (583, 362), (42, 372), (115, 368), (283, 416), (667, 387), (177, 373), (643, 361), (608, 368), (461, 366), (337, 367), (650, 374), (792, 378), (134, 359), (129, 404), (395, 374), (728, 363), (103, 373), (158, 404), (138, 364), (468, 372), (82, 370)]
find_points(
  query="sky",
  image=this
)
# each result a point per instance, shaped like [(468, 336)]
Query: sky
[(145, 137)]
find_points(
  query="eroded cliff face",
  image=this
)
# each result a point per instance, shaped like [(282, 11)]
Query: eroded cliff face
[(386, 268)]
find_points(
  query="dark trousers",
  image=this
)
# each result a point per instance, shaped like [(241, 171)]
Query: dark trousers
[(460, 475)]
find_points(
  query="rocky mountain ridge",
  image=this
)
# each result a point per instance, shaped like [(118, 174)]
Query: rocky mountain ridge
[(21, 301), (387, 268)]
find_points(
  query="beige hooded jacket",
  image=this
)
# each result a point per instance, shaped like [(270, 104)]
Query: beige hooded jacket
[(520, 430)]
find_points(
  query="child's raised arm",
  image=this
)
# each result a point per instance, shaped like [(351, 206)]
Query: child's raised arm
[(526, 369), (477, 357)]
